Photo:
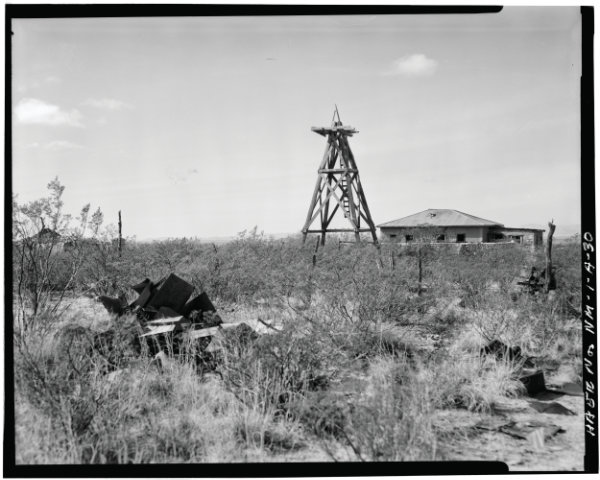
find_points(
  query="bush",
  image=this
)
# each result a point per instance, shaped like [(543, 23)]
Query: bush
[(322, 412), (473, 382), (391, 421), (270, 372)]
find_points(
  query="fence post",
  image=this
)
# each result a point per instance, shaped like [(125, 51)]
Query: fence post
[(120, 236)]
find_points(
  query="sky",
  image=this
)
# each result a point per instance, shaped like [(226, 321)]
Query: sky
[(200, 127)]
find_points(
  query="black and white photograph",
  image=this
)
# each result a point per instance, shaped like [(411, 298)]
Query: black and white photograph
[(298, 237)]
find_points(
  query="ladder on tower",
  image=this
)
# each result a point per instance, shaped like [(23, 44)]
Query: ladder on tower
[(345, 200)]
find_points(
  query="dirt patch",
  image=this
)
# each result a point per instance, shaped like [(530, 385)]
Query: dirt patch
[(564, 451)]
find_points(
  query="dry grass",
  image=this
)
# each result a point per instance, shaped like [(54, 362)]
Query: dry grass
[(144, 412), (391, 420), (168, 412), (147, 415)]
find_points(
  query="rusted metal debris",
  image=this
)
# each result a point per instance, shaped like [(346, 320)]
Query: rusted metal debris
[(168, 299), (533, 381), (569, 388), (173, 292), (550, 407)]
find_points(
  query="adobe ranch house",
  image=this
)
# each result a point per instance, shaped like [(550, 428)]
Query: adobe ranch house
[(452, 226)]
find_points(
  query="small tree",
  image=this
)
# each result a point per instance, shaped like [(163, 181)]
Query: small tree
[(423, 238), (43, 269)]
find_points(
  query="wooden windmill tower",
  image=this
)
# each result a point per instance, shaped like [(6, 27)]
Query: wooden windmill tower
[(338, 186)]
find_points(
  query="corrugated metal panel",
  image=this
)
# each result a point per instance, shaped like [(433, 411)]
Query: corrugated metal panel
[(172, 293), (440, 218)]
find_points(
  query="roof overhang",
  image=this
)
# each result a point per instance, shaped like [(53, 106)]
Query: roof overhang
[(430, 225), (516, 229)]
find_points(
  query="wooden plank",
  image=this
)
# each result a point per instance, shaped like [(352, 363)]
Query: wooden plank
[(229, 326), (337, 170), (339, 230), (325, 214), (337, 206), (321, 206), (159, 330), (204, 332), (211, 331), (167, 321), (345, 129)]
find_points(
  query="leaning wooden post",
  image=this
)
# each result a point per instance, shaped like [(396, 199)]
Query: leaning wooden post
[(380, 264), (120, 237), (550, 280), (419, 291)]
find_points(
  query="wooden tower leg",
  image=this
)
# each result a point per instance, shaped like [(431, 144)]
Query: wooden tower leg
[(375, 241), (325, 219), (311, 209)]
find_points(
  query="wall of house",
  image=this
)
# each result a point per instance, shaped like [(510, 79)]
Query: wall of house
[(528, 238), (472, 234)]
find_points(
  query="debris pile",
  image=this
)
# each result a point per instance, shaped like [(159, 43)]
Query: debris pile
[(533, 380), (535, 432), (164, 307), (541, 400)]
